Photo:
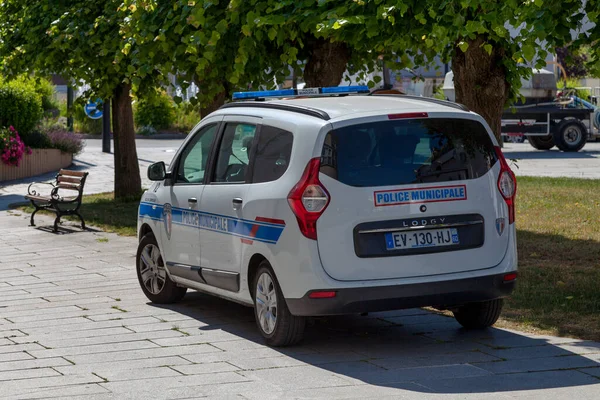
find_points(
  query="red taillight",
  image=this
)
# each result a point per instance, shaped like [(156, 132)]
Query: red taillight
[(510, 277), (507, 184), (322, 295), (408, 115), (308, 199)]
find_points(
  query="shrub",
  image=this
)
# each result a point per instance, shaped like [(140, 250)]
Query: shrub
[(187, 117), (20, 106), (155, 110), (66, 141), (12, 147), (37, 139), (46, 90)]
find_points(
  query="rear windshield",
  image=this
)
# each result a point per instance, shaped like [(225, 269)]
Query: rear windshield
[(408, 151)]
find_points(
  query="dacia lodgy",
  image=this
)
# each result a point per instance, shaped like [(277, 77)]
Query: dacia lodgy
[(333, 201)]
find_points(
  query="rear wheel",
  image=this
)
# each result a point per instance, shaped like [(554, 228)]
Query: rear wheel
[(541, 142), (275, 322), (152, 275), (570, 135), (479, 315)]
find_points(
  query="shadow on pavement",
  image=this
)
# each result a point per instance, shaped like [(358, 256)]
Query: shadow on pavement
[(65, 229), (7, 200), (412, 350)]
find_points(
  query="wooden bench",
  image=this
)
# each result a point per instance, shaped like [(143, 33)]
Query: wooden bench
[(57, 201)]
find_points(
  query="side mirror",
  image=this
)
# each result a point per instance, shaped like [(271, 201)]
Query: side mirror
[(157, 171)]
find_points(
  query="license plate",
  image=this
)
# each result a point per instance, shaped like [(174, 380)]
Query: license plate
[(420, 239)]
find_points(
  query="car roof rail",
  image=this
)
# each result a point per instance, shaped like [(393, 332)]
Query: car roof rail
[(446, 103), (313, 112)]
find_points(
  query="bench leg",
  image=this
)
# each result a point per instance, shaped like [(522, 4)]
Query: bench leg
[(31, 223), (56, 221), (82, 221)]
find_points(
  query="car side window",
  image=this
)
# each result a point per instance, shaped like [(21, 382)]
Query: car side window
[(192, 163), (272, 155), (234, 153)]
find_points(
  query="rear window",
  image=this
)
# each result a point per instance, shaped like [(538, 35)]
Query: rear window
[(401, 152), (273, 152)]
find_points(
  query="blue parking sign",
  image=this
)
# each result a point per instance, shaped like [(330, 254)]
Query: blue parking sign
[(93, 109)]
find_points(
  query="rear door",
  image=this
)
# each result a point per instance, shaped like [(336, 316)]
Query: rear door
[(410, 197), (222, 222)]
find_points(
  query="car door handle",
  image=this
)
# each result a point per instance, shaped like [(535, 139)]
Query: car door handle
[(237, 202), (193, 200)]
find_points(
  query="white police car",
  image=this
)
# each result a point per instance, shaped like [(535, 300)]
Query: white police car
[(333, 204)]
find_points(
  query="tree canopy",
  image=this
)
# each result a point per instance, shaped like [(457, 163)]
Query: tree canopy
[(491, 44), (80, 40), (117, 45)]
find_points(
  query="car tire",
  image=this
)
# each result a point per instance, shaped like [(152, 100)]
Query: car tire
[(479, 315), (541, 142), (570, 135), (152, 274), (273, 318)]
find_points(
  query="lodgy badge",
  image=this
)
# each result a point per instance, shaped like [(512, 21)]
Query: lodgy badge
[(423, 222)]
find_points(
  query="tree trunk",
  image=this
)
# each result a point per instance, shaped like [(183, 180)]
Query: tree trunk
[(127, 169), (480, 82), (326, 64), (217, 102)]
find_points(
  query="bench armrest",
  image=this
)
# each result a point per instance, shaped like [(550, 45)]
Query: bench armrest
[(34, 191)]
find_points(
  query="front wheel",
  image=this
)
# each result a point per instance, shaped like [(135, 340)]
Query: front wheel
[(152, 275), (479, 315), (275, 322)]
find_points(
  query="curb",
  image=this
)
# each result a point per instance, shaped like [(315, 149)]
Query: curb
[(159, 136)]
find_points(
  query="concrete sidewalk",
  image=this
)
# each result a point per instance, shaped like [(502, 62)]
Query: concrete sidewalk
[(75, 324)]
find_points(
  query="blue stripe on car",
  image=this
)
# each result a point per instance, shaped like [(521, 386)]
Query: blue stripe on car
[(267, 232)]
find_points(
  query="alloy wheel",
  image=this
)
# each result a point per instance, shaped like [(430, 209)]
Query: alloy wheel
[(266, 303), (152, 269)]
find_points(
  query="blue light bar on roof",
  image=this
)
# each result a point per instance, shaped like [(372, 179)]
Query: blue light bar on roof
[(300, 92), (345, 89), (263, 93)]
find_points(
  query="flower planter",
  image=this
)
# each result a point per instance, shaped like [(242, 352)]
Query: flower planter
[(39, 162)]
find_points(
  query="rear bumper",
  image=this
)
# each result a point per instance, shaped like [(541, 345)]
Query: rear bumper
[(383, 298)]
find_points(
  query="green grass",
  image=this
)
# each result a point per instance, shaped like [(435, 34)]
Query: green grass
[(104, 212), (558, 289)]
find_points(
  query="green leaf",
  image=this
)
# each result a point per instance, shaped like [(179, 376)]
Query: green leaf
[(463, 46), (488, 48), (528, 52)]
